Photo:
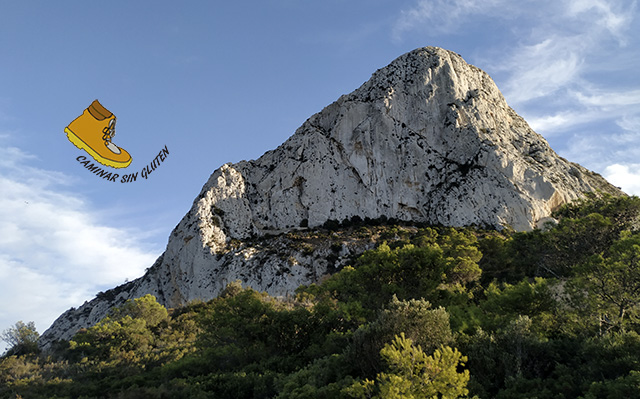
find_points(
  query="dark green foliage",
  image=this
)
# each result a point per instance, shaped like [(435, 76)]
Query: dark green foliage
[(586, 228), (426, 327), (544, 314), (435, 266), (250, 328), (324, 378), (622, 387), (607, 287), (519, 364), (505, 302), (623, 211), (331, 224)]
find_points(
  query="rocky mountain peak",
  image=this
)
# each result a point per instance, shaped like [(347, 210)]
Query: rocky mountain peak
[(429, 138)]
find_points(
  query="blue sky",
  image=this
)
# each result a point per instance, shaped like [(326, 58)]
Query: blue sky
[(220, 82)]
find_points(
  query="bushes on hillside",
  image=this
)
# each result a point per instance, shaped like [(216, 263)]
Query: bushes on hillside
[(429, 311)]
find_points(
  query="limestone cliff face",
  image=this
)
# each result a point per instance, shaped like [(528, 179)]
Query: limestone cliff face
[(429, 138)]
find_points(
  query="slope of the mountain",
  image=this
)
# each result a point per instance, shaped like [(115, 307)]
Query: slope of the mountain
[(429, 138)]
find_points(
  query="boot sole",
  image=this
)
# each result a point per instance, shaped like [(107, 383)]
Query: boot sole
[(77, 141)]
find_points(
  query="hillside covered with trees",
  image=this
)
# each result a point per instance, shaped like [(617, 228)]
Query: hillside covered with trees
[(431, 311)]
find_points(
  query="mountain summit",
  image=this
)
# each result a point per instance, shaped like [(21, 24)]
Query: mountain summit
[(429, 138)]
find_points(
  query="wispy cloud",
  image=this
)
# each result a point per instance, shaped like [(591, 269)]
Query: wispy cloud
[(551, 124), (56, 250), (630, 124), (441, 16), (611, 16), (590, 105), (608, 100), (557, 54), (541, 69)]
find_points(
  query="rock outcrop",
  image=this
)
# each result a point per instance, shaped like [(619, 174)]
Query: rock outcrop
[(429, 138)]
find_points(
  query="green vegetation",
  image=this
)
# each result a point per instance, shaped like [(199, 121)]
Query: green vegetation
[(429, 313), (22, 338)]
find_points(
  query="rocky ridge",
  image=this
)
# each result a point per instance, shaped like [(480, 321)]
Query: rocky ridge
[(428, 139)]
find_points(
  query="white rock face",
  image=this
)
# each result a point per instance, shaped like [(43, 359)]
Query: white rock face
[(428, 138)]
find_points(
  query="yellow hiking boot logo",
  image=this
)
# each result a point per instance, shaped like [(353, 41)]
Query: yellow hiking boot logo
[(93, 131)]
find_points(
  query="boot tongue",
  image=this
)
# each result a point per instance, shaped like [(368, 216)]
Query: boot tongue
[(114, 148)]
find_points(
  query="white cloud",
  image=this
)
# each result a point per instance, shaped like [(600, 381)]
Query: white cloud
[(592, 105), (548, 124), (542, 69), (612, 15), (626, 177), (609, 99), (630, 123), (567, 71), (441, 15), (56, 251), (558, 52)]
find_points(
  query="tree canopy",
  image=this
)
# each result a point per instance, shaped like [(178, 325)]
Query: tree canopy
[(22, 338)]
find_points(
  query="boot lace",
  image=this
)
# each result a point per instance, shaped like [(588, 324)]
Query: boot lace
[(108, 132)]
